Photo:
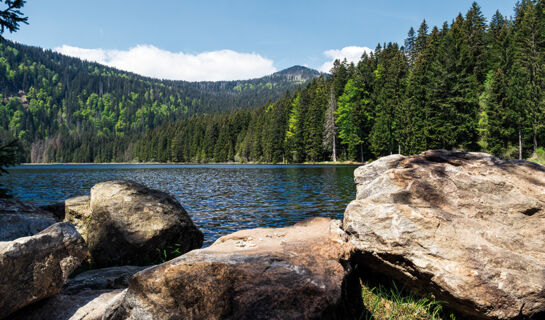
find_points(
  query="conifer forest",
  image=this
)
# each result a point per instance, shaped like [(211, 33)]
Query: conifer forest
[(471, 84)]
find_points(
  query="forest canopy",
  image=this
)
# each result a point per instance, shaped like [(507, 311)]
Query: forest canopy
[(469, 84)]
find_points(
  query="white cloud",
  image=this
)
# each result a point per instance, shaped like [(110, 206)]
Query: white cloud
[(153, 62), (351, 53)]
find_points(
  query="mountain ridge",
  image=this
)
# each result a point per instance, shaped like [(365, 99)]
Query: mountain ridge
[(46, 96)]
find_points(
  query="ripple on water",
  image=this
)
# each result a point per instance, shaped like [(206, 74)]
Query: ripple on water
[(220, 198)]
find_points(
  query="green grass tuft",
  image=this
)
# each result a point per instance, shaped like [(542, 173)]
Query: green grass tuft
[(395, 304), (538, 156)]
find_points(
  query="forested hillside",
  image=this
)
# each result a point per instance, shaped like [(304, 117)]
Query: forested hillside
[(469, 84), (52, 103)]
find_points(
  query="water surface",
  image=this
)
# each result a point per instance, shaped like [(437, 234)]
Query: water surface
[(220, 198)]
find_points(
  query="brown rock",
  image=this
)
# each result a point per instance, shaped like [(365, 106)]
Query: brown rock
[(84, 297), (132, 224), (299, 272), (18, 219), (36, 267), (467, 227)]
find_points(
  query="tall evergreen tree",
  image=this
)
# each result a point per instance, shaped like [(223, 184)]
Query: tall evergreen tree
[(390, 85), (528, 68), (421, 41), (410, 48)]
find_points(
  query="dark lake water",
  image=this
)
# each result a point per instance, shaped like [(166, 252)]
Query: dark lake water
[(220, 198)]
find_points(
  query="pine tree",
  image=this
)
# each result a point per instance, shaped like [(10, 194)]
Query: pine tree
[(528, 67), (421, 41), (390, 86), (410, 48), (502, 118), (11, 16)]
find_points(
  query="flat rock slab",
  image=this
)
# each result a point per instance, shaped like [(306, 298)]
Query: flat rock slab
[(36, 267), (18, 219), (467, 227), (84, 297), (299, 272)]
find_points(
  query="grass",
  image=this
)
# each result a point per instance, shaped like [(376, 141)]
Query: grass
[(169, 253), (395, 304), (538, 156)]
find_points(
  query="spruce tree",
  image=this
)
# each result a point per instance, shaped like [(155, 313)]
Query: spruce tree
[(410, 48), (528, 68)]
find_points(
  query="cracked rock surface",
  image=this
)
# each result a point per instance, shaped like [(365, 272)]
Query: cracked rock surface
[(298, 272), (467, 227), (36, 267)]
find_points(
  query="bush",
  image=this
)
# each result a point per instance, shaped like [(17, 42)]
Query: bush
[(511, 152)]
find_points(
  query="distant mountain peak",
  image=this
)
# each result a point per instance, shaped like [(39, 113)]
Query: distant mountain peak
[(297, 74), (298, 70)]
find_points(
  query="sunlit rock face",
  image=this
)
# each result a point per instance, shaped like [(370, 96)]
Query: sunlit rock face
[(126, 223), (467, 227), (298, 272)]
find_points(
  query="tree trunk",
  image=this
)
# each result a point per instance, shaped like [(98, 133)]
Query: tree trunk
[(334, 150), (520, 144), (361, 151), (535, 137)]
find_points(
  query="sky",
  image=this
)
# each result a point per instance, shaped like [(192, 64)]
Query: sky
[(229, 39)]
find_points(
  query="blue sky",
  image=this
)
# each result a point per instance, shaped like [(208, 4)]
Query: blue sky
[(230, 39)]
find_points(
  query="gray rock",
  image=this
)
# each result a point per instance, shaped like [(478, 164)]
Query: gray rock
[(132, 224), (84, 297), (18, 219), (467, 227), (36, 267), (298, 272)]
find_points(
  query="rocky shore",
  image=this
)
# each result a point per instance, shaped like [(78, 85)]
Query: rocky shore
[(464, 228)]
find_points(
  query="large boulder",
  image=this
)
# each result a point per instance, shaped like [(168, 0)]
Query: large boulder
[(299, 272), (84, 297), (36, 267), (467, 227), (130, 224), (18, 219), (77, 210)]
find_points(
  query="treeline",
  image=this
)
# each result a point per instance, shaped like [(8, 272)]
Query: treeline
[(48, 101), (469, 84)]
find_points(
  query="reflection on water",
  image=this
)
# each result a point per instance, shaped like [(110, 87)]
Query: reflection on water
[(220, 198)]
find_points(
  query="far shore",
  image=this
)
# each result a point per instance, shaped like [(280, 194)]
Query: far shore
[(331, 163)]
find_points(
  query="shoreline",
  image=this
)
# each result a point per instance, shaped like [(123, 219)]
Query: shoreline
[(327, 163)]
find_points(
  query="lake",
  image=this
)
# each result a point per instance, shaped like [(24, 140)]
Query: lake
[(221, 199)]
